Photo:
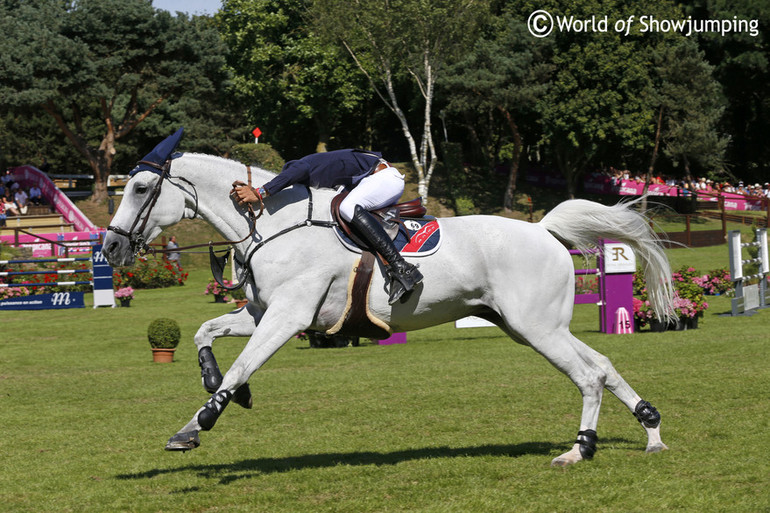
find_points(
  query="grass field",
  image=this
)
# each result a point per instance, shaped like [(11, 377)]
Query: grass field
[(454, 420)]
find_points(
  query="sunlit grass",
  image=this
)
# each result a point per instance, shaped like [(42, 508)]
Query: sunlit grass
[(454, 420)]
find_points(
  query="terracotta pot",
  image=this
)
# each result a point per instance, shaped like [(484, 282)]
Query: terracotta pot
[(163, 355), (240, 303)]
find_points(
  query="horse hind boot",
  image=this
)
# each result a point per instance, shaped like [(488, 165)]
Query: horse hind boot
[(403, 275), (242, 396), (587, 441), (208, 415), (647, 415), (210, 373)]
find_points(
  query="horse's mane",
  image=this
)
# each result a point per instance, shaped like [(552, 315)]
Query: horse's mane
[(262, 174)]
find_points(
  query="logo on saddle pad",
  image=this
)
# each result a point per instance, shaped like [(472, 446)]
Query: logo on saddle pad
[(416, 237)]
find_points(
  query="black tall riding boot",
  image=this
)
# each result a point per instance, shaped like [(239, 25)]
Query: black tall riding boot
[(403, 275)]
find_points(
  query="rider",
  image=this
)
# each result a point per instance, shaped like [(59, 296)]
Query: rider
[(374, 184)]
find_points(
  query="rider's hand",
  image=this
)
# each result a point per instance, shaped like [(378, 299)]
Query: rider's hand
[(244, 194)]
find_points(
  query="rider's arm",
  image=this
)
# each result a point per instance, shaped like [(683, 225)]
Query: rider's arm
[(295, 171)]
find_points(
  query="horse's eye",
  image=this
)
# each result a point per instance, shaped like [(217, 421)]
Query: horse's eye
[(141, 189)]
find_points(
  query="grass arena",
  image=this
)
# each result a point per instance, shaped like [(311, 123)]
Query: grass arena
[(437, 424)]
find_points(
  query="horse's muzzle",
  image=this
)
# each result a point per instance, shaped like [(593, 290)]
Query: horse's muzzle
[(117, 250)]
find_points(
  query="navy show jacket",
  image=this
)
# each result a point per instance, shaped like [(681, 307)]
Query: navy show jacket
[(328, 169)]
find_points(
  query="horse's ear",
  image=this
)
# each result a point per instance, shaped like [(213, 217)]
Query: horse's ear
[(160, 154)]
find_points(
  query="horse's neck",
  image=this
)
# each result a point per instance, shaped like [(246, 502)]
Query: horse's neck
[(213, 178)]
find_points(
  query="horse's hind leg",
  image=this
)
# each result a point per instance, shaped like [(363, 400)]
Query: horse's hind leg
[(238, 323), (591, 372), (645, 413), (558, 347)]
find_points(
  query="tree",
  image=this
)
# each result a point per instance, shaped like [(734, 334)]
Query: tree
[(501, 77), (405, 38), (99, 68), (691, 106), (285, 74), (741, 63)]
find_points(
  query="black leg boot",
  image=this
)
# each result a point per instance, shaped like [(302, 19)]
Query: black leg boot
[(403, 275)]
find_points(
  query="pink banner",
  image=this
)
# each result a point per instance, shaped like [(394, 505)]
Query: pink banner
[(600, 184), (27, 176)]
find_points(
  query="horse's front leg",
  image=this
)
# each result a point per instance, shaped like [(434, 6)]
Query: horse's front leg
[(238, 323), (278, 324)]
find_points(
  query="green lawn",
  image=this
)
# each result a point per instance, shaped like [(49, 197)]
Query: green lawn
[(454, 420)]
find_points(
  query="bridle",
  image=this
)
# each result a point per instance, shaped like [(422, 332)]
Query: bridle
[(135, 236), (139, 244)]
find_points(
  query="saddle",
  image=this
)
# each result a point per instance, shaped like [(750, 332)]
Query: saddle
[(357, 319), (389, 217)]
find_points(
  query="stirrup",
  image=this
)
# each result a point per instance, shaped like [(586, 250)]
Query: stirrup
[(402, 281)]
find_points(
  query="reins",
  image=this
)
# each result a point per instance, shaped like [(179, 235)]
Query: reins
[(139, 245), (136, 238)]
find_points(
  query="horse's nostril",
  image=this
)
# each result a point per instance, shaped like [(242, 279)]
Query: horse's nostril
[(111, 248)]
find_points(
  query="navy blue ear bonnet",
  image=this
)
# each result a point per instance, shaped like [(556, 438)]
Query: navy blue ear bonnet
[(160, 154)]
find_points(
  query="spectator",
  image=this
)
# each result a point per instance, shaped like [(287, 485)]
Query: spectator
[(7, 178), (173, 256), (3, 217), (10, 206), (21, 199), (35, 195)]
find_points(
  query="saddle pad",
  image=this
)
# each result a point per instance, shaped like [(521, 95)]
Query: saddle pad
[(423, 239)]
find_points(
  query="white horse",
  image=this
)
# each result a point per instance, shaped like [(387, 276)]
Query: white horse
[(518, 275)]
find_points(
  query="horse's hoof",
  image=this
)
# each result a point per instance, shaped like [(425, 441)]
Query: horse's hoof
[(566, 459), (183, 441), (242, 396), (660, 447)]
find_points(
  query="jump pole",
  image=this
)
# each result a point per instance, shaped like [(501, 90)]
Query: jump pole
[(748, 298), (101, 284)]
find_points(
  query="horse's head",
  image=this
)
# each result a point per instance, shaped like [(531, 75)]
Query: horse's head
[(151, 202)]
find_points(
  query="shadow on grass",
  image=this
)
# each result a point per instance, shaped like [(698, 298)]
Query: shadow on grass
[(228, 473)]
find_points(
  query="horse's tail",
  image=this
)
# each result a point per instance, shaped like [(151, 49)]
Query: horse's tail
[(582, 223)]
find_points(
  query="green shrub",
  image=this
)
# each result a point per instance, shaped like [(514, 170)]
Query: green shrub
[(262, 155), (164, 333), (465, 206)]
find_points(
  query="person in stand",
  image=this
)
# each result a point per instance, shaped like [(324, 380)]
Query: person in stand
[(3, 215), (8, 203), (21, 199), (373, 183), (173, 256), (35, 195)]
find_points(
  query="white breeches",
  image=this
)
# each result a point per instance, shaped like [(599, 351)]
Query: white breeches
[(377, 190)]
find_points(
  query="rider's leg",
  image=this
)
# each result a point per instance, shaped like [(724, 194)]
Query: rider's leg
[(376, 191)]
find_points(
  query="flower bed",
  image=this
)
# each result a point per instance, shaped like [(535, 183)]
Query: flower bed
[(149, 273), (689, 299), (715, 282), (216, 290)]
